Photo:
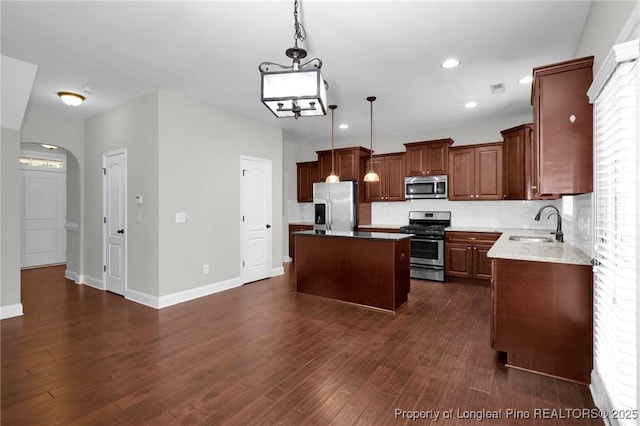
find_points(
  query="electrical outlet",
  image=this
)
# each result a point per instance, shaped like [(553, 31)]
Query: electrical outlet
[(205, 269)]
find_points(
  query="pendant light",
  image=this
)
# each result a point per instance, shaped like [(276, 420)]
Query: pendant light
[(298, 90), (371, 176), (332, 178)]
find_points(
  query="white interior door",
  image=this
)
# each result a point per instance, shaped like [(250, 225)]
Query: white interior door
[(256, 219), (43, 211), (115, 221)]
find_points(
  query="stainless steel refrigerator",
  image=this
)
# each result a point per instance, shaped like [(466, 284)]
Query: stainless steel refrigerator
[(335, 206)]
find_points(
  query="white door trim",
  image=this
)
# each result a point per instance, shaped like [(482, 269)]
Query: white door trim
[(122, 151)]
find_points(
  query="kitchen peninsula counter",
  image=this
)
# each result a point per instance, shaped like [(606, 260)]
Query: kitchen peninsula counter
[(365, 268)]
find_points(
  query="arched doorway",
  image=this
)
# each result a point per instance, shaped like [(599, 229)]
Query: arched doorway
[(37, 164)]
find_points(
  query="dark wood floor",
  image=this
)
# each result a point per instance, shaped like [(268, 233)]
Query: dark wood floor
[(262, 354)]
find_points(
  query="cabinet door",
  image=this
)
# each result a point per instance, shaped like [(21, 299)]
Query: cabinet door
[(461, 174), (564, 127), (481, 263), (347, 164), (437, 159), (513, 165), (415, 160), (394, 175), (488, 173), (375, 190), (307, 175), (324, 166), (458, 260)]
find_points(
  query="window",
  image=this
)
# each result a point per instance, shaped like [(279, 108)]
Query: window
[(616, 239), (40, 162)]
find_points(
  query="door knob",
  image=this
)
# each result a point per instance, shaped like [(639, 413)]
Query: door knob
[(268, 226), (120, 231)]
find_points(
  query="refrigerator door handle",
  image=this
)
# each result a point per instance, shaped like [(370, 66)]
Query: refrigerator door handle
[(329, 215)]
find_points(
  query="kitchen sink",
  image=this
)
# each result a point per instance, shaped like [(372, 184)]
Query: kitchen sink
[(531, 239)]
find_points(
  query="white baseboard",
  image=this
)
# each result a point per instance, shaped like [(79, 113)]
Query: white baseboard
[(601, 397), (71, 275), (91, 282), (195, 293), (277, 271), (142, 298), (10, 311), (287, 259)]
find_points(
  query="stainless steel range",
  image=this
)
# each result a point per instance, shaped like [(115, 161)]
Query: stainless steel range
[(427, 244)]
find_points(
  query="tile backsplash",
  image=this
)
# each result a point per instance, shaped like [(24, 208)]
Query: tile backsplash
[(484, 214)]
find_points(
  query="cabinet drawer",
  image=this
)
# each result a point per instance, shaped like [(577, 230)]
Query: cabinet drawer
[(469, 237)]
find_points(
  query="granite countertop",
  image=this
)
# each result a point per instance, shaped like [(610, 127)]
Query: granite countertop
[(552, 252), (363, 235), (373, 225)]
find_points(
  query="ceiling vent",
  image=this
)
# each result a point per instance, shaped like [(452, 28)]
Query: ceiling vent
[(497, 88)]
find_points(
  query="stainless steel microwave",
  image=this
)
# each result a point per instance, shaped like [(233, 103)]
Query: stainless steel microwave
[(425, 187)]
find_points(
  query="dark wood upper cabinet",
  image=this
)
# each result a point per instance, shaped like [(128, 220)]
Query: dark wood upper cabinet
[(428, 158), (307, 174), (390, 168), (516, 162), (475, 172), (349, 163), (563, 127)]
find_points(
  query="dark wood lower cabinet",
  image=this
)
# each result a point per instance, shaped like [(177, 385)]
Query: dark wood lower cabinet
[(294, 227), (542, 317), (466, 258)]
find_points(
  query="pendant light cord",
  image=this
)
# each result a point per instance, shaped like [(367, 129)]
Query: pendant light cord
[(333, 154), (299, 34)]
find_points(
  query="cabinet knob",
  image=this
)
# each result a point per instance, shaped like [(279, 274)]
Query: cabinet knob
[(534, 187), (572, 118)]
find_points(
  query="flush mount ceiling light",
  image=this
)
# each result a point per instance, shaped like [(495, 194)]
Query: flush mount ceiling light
[(298, 90), (332, 178), (50, 147), (470, 105), (450, 63), (371, 175), (71, 99)]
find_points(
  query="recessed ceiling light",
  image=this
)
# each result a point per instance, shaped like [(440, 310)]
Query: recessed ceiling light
[(344, 126), (526, 80), (450, 63), (470, 105)]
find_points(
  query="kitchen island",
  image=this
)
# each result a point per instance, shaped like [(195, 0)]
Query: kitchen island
[(365, 268)]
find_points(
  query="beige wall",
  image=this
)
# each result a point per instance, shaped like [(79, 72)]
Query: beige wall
[(604, 23), (183, 156), (133, 126), (10, 222), (200, 150)]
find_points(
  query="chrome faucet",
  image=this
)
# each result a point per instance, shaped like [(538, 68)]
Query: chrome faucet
[(558, 232)]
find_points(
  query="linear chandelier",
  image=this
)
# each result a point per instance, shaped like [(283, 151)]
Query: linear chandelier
[(298, 90)]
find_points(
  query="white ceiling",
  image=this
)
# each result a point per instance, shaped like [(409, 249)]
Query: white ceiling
[(211, 51)]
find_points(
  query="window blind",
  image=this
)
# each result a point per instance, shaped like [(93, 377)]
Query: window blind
[(616, 236)]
